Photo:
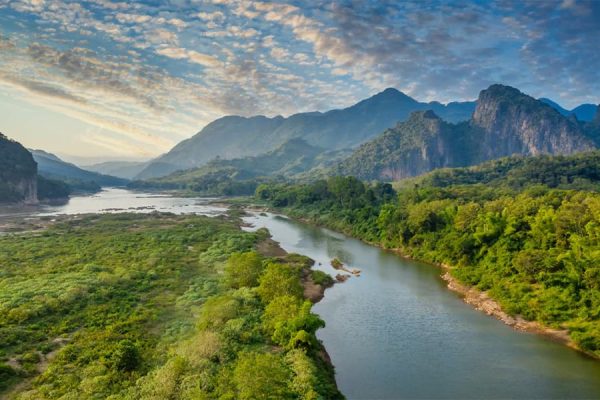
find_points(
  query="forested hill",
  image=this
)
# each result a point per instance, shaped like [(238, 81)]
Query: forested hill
[(18, 173), (532, 247), (240, 176), (238, 137), (19, 179), (505, 122), (51, 166), (578, 171)]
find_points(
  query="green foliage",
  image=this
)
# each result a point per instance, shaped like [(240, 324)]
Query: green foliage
[(259, 376), (134, 307), (49, 189), (579, 171), (126, 356), (321, 278), (534, 248), (279, 280), (7, 376), (243, 270)]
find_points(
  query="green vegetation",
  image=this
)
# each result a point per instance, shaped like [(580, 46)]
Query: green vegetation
[(580, 171), (533, 247), (155, 306), (52, 167), (49, 189), (241, 176)]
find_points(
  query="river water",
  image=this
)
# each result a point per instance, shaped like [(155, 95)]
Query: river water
[(395, 332)]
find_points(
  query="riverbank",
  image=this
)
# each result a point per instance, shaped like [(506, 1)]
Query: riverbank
[(476, 298)]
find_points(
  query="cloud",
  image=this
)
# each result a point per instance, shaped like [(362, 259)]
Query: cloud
[(153, 72), (190, 55)]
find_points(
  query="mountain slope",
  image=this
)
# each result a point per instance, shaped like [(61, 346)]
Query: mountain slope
[(18, 173), (505, 122), (50, 166), (237, 137), (240, 176), (514, 123)]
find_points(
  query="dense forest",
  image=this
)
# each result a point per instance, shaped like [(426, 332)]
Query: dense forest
[(533, 247), (155, 307)]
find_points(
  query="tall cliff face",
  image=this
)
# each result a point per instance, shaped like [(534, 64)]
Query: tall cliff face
[(18, 173), (422, 143), (514, 123), (505, 122)]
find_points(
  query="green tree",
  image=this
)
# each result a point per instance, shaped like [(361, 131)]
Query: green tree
[(243, 269), (279, 280), (261, 376)]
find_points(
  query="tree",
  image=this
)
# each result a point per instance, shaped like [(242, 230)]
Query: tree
[(243, 269), (279, 280), (261, 376)]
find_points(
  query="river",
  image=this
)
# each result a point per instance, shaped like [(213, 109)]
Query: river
[(395, 332)]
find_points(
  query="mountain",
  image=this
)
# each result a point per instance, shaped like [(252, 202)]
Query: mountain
[(18, 173), (583, 112), (241, 175), (19, 179), (120, 169), (237, 137), (505, 122), (514, 123), (420, 144), (50, 166)]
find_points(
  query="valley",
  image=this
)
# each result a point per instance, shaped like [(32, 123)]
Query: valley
[(170, 287)]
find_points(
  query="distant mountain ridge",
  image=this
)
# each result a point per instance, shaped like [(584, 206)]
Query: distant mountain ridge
[(583, 112), (505, 122), (233, 137), (51, 166), (119, 169), (241, 175)]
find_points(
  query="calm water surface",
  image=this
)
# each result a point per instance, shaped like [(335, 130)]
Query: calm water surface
[(114, 200), (395, 332)]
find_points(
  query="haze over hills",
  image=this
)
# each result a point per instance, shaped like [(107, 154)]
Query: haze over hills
[(241, 175), (120, 169), (51, 166), (236, 137), (505, 122)]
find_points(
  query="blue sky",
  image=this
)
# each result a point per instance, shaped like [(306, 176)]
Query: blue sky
[(110, 79)]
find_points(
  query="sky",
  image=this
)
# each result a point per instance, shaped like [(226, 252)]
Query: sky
[(102, 80)]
